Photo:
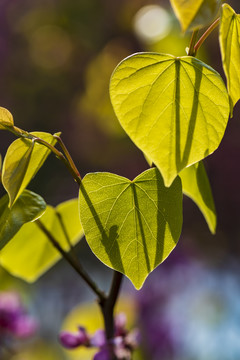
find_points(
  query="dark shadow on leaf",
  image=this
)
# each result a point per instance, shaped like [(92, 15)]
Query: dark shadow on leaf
[(141, 228), (109, 237), (182, 162), (161, 224)]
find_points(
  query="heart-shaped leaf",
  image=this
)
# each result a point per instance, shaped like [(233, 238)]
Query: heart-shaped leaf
[(131, 226), (194, 14), (28, 207), (30, 254), (230, 49), (23, 159), (6, 119), (174, 109), (196, 185)]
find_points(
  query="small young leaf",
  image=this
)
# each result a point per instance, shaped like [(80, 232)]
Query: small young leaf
[(196, 185), (131, 226), (22, 161), (30, 254), (174, 109), (230, 49), (6, 119), (28, 207), (195, 14)]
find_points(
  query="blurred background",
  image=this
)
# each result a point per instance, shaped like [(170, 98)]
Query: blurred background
[(56, 59)]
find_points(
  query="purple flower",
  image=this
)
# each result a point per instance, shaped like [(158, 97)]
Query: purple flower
[(99, 339), (13, 317), (73, 340), (103, 354), (24, 327), (120, 323), (122, 345)]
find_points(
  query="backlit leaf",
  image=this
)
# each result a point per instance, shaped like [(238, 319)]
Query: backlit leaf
[(196, 185), (6, 119), (230, 49), (28, 207), (194, 14), (30, 254), (131, 226), (174, 109), (22, 161)]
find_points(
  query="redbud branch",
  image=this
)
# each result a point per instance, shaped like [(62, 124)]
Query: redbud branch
[(75, 265)]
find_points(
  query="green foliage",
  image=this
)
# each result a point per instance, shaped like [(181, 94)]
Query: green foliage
[(230, 49), (194, 14), (6, 119), (28, 207), (196, 185), (30, 254), (174, 109), (22, 161), (131, 226)]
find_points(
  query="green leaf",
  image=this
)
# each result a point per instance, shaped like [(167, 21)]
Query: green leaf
[(30, 254), (194, 14), (196, 185), (230, 49), (28, 207), (131, 226), (6, 119), (174, 109), (23, 159)]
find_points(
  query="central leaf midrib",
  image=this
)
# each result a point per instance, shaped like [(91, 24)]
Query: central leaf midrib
[(137, 216)]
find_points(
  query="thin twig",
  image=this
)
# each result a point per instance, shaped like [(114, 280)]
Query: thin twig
[(67, 154), (60, 218), (64, 229), (191, 50), (75, 265), (69, 164), (60, 156), (206, 34)]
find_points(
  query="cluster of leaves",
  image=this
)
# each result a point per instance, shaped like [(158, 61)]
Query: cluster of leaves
[(175, 109)]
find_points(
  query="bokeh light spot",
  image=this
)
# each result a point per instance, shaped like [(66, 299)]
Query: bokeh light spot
[(152, 23)]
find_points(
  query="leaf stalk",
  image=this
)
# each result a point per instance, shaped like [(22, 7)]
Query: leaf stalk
[(191, 50), (206, 34)]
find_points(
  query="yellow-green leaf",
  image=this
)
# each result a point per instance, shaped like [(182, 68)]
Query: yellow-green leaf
[(30, 254), (6, 119), (174, 109), (229, 37), (28, 207), (23, 159), (131, 226), (196, 185), (194, 14)]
